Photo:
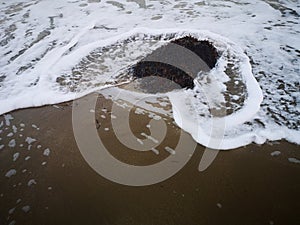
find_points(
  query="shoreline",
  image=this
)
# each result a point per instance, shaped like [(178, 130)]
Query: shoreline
[(242, 186)]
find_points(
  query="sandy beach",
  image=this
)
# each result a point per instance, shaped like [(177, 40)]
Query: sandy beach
[(53, 184), (106, 108)]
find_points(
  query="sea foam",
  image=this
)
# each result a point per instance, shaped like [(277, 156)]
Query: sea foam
[(45, 59)]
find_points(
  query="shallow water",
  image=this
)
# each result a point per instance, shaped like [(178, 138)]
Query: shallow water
[(53, 51)]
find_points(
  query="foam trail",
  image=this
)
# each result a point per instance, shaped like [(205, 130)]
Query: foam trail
[(45, 59)]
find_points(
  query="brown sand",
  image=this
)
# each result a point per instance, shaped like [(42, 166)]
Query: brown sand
[(243, 186)]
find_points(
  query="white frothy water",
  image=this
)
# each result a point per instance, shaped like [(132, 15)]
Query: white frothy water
[(54, 51)]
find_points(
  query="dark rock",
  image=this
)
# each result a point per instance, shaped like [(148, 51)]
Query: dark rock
[(177, 64), (204, 49)]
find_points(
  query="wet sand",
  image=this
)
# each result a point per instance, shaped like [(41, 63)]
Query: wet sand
[(242, 186)]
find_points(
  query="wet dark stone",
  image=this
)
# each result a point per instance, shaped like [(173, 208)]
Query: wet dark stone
[(145, 69), (203, 49)]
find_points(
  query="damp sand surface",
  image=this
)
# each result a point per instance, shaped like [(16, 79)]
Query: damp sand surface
[(51, 183)]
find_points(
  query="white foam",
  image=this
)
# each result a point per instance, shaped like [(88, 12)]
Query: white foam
[(30, 140), (16, 156), (35, 126), (8, 118), (150, 137), (15, 129), (140, 141), (30, 78), (12, 143), (31, 182), (294, 160), (46, 152), (11, 173), (139, 111), (170, 150), (275, 153), (155, 151), (11, 211), (154, 116), (26, 208)]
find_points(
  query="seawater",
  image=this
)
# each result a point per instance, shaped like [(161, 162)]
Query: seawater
[(54, 51)]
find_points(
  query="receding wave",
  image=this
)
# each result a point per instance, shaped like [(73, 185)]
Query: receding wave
[(222, 111)]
